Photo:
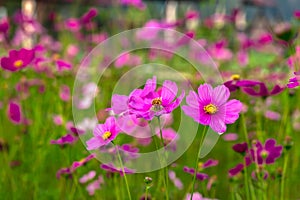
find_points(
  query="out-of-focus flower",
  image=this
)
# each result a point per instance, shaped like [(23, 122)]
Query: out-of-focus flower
[(89, 15), (112, 169), (169, 135), (210, 107), (242, 57), (74, 166), (264, 39), (293, 82), (263, 90), (14, 112), (177, 182), (85, 178), (220, 52), (72, 50), (267, 153), (17, 59), (240, 147), (272, 115), (236, 170), (230, 137), (73, 24), (236, 82), (199, 176), (4, 25), (58, 120), (66, 139), (127, 59), (208, 163), (64, 93), (297, 14), (95, 185), (103, 134), (63, 65)]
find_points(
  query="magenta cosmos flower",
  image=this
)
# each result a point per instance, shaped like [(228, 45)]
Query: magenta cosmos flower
[(210, 107), (103, 134), (17, 60), (148, 103)]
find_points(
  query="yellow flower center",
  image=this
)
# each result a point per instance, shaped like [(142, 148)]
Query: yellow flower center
[(106, 135), (156, 101), (18, 63), (235, 77), (210, 109), (156, 104)]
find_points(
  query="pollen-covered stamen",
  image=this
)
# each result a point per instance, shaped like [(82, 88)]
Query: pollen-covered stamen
[(18, 63), (106, 135), (235, 77), (156, 104), (210, 109)]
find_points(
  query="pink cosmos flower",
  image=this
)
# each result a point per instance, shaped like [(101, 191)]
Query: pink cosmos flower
[(17, 60), (103, 134), (210, 107), (148, 103)]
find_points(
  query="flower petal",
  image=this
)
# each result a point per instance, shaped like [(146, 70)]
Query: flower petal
[(232, 110), (169, 91), (205, 92), (220, 95)]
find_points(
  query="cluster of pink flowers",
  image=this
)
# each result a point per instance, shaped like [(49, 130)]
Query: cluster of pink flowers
[(209, 107)]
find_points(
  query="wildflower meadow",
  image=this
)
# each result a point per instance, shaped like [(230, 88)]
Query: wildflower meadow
[(150, 100)]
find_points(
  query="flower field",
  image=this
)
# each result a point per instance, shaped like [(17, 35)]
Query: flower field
[(132, 99)]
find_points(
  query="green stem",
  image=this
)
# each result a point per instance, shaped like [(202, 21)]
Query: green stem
[(146, 195), (283, 177), (165, 169), (125, 178), (246, 173), (197, 160)]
